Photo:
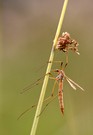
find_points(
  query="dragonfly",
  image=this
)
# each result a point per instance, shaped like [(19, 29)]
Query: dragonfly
[(58, 80), (66, 43)]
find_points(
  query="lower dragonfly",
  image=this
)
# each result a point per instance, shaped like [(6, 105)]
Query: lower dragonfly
[(59, 79)]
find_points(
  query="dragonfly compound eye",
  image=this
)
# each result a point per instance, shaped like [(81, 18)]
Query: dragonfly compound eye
[(56, 70)]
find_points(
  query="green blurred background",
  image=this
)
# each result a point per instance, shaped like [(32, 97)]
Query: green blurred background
[(28, 29)]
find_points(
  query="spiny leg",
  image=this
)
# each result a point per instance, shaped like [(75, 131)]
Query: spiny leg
[(43, 65), (31, 108), (26, 111), (57, 61), (61, 64), (66, 59), (50, 97), (47, 104), (52, 94), (33, 84), (27, 88)]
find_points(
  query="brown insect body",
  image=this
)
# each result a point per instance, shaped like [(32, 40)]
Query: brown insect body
[(60, 78), (60, 97)]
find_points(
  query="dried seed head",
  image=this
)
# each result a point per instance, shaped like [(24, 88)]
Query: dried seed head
[(66, 35), (65, 43)]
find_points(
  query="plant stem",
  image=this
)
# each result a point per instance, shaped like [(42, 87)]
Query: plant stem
[(44, 86)]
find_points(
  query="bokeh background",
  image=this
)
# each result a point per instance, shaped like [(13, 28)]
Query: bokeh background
[(27, 32)]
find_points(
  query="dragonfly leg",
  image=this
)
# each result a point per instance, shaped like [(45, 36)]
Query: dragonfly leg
[(52, 94), (53, 88), (30, 86), (52, 98), (57, 61), (66, 59), (26, 111), (52, 78)]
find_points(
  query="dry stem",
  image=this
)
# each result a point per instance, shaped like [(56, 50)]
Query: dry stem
[(44, 86)]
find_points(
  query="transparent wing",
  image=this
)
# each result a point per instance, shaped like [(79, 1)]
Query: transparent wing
[(73, 84)]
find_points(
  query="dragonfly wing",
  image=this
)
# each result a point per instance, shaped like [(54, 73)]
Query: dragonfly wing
[(71, 84), (71, 81)]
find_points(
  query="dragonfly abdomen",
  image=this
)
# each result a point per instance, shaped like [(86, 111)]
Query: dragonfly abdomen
[(60, 97)]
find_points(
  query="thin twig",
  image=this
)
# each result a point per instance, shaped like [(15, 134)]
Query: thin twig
[(44, 86)]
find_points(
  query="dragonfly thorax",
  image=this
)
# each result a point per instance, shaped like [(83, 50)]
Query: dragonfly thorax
[(60, 76)]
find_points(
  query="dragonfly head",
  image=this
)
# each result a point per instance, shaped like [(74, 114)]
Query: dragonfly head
[(60, 75), (57, 70)]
